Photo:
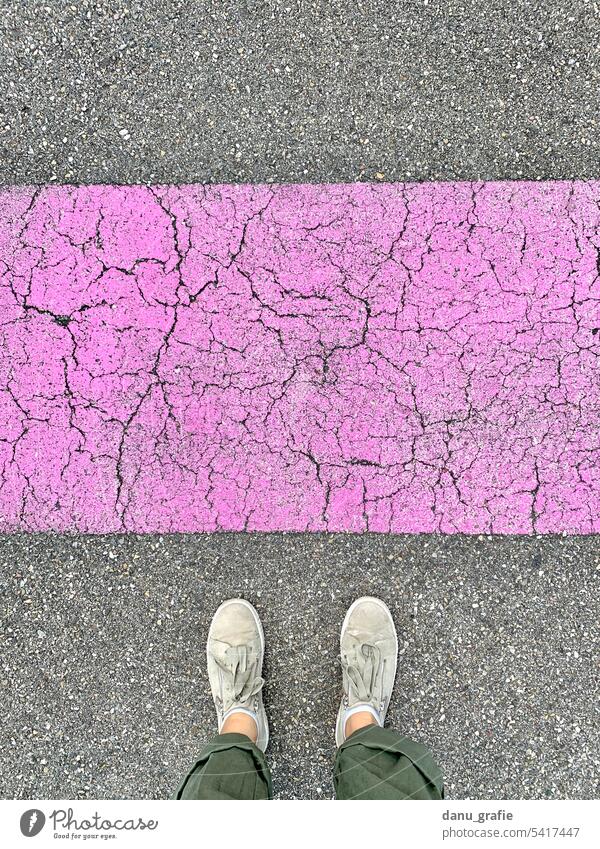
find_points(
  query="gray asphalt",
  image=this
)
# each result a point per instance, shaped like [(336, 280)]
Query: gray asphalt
[(103, 668), (311, 90)]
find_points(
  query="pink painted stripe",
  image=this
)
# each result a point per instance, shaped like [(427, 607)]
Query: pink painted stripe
[(398, 358)]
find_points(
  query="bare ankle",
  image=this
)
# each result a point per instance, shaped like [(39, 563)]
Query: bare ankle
[(359, 720), (240, 723)]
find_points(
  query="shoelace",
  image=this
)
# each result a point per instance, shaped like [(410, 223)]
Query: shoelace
[(363, 672), (239, 681)]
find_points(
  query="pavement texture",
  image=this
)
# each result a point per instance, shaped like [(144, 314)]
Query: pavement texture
[(248, 91), (102, 637), (404, 358), (103, 665)]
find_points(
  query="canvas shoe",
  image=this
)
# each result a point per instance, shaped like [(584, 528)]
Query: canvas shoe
[(369, 654), (234, 654)]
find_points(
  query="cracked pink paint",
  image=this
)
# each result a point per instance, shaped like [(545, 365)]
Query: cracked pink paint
[(405, 358)]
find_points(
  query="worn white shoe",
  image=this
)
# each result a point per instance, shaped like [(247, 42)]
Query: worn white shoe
[(234, 652), (369, 655)]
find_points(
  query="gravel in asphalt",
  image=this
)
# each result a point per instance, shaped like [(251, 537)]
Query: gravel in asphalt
[(103, 667), (297, 90)]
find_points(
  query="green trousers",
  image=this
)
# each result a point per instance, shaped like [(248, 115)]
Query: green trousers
[(373, 763)]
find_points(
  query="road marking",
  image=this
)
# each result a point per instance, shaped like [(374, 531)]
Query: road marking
[(396, 358)]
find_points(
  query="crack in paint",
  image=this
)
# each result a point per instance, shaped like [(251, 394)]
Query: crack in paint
[(395, 358)]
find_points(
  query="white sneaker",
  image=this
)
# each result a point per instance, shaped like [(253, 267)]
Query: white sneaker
[(234, 653), (369, 655)]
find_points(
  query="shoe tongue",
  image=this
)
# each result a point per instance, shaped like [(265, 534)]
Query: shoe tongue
[(240, 666), (363, 666)]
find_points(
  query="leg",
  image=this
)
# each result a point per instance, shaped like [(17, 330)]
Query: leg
[(374, 762), (233, 766), (230, 767), (379, 763)]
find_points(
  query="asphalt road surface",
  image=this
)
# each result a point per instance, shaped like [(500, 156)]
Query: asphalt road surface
[(103, 657), (247, 91)]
